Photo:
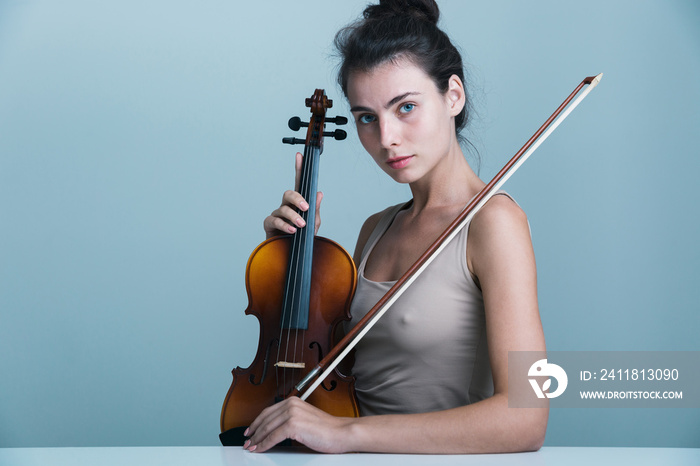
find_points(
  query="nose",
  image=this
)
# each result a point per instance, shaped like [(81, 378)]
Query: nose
[(389, 133)]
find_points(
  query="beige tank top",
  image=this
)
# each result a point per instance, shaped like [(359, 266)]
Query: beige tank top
[(429, 351)]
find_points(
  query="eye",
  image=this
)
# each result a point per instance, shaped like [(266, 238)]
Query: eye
[(364, 119), (405, 108)]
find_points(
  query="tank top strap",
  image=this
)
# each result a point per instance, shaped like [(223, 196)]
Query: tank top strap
[(500, 191), (388, 218), (382, 226)]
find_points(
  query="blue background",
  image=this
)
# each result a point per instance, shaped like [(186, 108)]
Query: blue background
[(140, 150)]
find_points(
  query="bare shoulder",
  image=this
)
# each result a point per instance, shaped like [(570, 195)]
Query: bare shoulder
[(365, 232), (500, 228), (499, 211)]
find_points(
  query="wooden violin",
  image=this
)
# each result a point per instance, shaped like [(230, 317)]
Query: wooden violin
[(300, 288)]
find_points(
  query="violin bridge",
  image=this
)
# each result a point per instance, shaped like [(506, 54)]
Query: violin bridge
[(290, 365)]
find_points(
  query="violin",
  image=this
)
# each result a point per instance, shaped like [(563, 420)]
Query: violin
[(299, 288)]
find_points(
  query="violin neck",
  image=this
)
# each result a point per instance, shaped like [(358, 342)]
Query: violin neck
[(308, 187)]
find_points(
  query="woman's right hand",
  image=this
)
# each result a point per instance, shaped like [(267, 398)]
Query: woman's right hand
[(286, 219)]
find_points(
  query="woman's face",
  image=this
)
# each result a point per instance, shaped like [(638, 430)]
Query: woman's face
[(403, 120)]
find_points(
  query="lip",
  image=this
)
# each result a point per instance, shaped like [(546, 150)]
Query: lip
[(399, 162)]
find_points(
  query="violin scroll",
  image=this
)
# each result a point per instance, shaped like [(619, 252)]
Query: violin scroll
[(318, 103)]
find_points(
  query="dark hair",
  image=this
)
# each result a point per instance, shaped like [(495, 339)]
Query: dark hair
[(396, 29)]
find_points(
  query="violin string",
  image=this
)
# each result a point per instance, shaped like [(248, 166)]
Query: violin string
[(289, 298), (285, 313), (296, 265), (310, 214), (309, 156)]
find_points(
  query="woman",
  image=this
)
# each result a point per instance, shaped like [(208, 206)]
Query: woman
[(432, 376)]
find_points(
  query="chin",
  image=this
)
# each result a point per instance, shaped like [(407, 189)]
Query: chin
[(401, 177)]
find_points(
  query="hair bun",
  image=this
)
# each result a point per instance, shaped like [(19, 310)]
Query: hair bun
[(423, 9)]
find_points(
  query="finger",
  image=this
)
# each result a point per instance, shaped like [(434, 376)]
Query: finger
[(286, 219), (268, 429), (275, 437), (262, 418), (290, 215), (294, 199), (276, 225), (319, 198), (254, 428), (269, 435), (297, 170)]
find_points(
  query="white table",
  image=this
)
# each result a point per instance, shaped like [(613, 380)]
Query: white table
[(229, 456)]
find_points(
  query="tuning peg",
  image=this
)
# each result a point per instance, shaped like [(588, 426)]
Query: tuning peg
[(293, 141), (338, 134), (339, 120), (295, 123)]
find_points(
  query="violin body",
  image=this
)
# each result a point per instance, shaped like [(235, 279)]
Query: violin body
[(299, 288), (262, 384)]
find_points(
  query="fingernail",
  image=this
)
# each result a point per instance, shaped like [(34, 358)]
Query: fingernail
[(304, 205), (245, 434), (291, 229), (301, 222), (247, 442), (252, 448)]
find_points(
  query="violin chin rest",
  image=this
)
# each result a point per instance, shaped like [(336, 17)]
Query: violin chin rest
[(233, 437)]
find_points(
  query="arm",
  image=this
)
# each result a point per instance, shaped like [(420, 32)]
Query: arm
[(501, 258)]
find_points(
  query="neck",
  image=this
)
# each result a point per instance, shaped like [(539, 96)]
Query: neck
[(451, 183)]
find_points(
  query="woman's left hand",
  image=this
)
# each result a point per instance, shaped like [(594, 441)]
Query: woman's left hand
[(297, 420)]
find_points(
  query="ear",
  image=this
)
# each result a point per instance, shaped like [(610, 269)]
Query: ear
[(456, 97)]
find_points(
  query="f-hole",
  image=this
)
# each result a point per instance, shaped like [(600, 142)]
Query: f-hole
[(333, 384), (265, 363)]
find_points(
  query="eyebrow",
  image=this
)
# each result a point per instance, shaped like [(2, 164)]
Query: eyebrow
[(393, 101)]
